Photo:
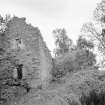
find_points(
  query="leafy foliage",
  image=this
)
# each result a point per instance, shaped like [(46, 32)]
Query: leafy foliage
[(3, 23), (62, 41), (93, 98), (89, 85), (71, 62), (85, 59), (63, 65), (99, 12), (91, 31), (82, 43), (97, 34)]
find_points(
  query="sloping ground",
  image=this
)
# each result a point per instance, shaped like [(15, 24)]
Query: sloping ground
[(68, 93)]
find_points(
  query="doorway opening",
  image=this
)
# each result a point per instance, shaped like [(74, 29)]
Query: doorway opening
[(19, 71)]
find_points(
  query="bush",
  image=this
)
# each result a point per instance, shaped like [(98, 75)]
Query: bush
[(62, 65), (93, 98), (72, 62)]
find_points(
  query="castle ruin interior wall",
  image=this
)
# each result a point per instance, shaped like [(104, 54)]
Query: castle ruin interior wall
[(30, 50)]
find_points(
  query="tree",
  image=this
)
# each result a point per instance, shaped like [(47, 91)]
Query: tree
[(99, 12), (99, 15), (82, 43), (62, 41), (84, 53), (86, 59), (97, 34), (94, 35)]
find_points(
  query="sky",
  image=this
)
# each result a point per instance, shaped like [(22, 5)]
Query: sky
[(48, 15)]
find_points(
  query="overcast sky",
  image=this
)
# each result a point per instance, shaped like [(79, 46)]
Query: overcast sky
[(51, 14)]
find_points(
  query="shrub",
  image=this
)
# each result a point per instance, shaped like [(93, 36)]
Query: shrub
[(72, 62), (94, 98)]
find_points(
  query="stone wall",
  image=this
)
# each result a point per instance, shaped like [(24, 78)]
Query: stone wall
[(26, 43), (46, 62)]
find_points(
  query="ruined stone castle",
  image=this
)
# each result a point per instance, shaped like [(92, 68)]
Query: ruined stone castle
[(31, 52)]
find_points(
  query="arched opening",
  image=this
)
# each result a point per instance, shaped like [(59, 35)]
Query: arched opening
[(19, 71)]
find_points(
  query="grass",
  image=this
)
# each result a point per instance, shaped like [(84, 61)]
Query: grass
[(80, 88)]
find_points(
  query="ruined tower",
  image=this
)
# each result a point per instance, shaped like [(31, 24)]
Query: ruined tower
[(31, 52)]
